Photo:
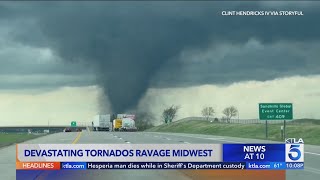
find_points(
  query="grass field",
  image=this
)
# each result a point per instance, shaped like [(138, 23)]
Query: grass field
[(12, 138), (309, 133)]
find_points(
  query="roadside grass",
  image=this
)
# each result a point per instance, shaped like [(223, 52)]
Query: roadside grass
[(7, 139), (309, 133)]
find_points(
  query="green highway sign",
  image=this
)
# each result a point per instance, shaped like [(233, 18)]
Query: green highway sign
[(275, 111), (73, 124)]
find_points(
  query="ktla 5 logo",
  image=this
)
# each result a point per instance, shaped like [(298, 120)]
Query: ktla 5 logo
[(294, 152)]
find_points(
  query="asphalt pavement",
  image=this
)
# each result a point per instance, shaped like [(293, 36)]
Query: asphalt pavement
[(7, 154)]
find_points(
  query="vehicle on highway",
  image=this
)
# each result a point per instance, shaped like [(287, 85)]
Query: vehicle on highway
[(79, 130), (132, 129), (101, 122), (121, 116), (67, 130), (128, 124), (117, 124)]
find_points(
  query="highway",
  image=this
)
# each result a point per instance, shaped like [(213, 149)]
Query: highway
[(7, 157)]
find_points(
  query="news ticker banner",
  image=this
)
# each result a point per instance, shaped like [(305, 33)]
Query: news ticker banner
[(159, 156)]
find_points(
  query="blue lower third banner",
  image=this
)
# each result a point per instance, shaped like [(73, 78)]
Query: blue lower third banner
[(266, 165), (166, 165)]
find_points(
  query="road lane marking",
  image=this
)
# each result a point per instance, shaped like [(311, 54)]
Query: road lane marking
[(313, 170), (77, 138), (184, 142), (43, 175), (312, 153), (213, 139)]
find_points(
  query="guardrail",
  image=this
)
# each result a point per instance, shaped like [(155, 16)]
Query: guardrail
[(246, 121)]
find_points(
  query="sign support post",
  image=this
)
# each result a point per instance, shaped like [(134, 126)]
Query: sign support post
[(284, 129), (266, 129), (276, 111)]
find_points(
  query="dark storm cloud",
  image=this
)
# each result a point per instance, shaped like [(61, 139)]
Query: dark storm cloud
[(135, 45), (13, 65), (240, 63), (44, 82)]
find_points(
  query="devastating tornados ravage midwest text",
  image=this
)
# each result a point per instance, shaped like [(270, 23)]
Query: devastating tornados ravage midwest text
[(117, 153)]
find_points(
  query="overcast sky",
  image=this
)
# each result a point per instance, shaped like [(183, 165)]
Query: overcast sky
[(64, 61)]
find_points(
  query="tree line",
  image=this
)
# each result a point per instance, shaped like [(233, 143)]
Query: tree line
[(170, 113)]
